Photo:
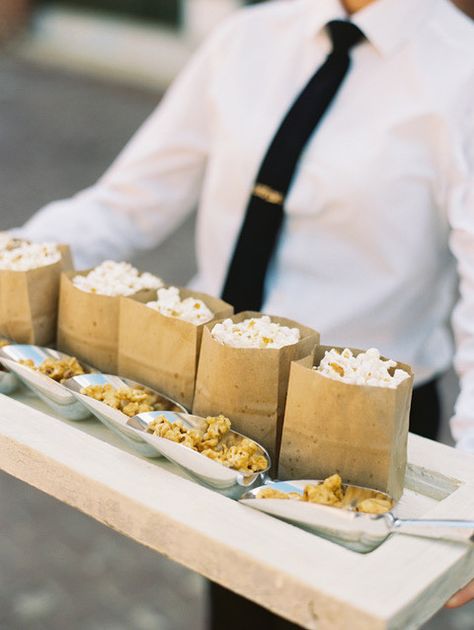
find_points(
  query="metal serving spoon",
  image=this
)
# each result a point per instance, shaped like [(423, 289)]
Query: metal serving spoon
[(208, 472), (356, 530)]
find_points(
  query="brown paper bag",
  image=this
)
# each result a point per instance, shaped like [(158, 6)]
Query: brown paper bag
[(29, 302), (162, 352), (249, 385), (88, 324), (359, 431)]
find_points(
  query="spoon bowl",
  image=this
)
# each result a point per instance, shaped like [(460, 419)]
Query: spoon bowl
[(114, 419), (355, 530), (227, 481), (54, 394)]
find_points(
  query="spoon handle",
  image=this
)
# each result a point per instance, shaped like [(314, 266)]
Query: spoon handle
[(448, 529)]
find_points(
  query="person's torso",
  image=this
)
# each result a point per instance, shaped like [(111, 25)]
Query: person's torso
[(364, 254)]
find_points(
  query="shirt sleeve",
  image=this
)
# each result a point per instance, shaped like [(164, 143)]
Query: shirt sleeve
[(151, 186), (461, 217)]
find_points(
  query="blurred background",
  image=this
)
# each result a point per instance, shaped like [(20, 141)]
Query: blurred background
[(77, 77)]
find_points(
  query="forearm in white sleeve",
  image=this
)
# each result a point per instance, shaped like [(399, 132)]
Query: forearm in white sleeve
[(153, 183), (462, 244)]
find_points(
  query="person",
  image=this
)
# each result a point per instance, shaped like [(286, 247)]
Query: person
[(333, 169)]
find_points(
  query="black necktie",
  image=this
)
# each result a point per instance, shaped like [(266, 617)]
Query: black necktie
[(245, 280)]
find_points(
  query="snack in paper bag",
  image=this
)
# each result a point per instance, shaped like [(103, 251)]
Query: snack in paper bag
[(255, 332), (29, 288), (17, 255), (365, 368), (190, 309), (214, 441), (89, 310), (116, 278), (243, 372), (348, 415), (160, 347)]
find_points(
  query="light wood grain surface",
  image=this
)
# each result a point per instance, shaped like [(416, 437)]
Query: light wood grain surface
[(298, 575)]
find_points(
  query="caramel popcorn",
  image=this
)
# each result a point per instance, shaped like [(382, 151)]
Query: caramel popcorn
[(374, 506), (57, 369), (331, 492), (273, 493), (129, 400), (215, 442)]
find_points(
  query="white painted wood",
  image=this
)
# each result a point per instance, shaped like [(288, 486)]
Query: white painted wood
[(296, 574)]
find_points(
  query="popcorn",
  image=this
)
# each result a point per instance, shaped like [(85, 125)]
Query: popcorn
[(215, 441), (57, 369), (5, 239), (367, 368), (129, 400), (16, 255), (116, 278), (332, 492), (190, 309), (257, 332)]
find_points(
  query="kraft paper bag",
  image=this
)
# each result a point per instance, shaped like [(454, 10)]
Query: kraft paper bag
[(29, 302), (249, 385), (359, 431), (162, 352), (88, 324)]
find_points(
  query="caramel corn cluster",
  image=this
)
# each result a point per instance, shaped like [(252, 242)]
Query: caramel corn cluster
[(214, 441), (129, 400), (57, 369), (331, 492)]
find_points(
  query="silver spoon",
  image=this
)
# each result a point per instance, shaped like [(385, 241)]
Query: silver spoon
[(225, 480), (356, 530)]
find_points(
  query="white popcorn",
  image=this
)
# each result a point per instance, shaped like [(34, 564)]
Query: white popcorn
[(116, 278), (257, 332), (16, 255), (367, 368), (5, 239), (190, 309)]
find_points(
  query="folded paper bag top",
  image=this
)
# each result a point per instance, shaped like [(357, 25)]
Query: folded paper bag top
[(249, 385), (88, 323), (160, 351), (29, 301), (360, 431)]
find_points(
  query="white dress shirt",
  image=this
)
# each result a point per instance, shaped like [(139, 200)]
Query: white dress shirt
[(380, 216)]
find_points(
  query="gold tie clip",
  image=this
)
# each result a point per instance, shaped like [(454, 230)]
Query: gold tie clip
[(268, 194)]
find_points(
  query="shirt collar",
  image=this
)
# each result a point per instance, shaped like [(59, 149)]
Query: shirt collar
[(387, 24)]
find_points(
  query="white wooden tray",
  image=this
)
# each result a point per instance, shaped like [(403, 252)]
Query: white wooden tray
[(306, 579)]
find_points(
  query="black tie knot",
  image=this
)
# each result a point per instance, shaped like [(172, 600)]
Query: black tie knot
[(344, 35)]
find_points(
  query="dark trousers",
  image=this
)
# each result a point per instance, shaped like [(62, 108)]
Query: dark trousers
[(229, 611)]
